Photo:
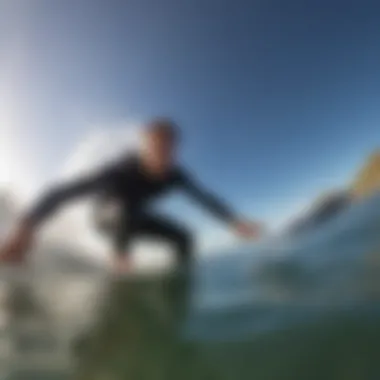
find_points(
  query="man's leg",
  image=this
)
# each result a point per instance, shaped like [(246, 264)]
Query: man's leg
[(178, 287), (118, 231), (135, 224), (122, 235), (162, 228)]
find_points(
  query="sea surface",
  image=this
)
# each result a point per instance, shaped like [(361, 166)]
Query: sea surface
[(293, 307)]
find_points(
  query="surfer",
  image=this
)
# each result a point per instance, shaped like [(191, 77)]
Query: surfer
[(132, 183)]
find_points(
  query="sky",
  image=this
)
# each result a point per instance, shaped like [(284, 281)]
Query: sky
[(277, 100)]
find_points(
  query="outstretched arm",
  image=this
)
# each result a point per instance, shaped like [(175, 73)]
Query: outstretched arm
[(21, 239), (58, 196), (218, 208), (205, 198)]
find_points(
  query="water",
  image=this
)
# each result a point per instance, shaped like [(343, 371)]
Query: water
[(301, 307)]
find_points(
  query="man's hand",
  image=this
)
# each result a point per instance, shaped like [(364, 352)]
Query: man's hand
[(16, 245), (248, 230)]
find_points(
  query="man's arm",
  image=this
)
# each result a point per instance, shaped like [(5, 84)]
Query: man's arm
[(58, 196), (204, 197), (217, 207), (21, 239)]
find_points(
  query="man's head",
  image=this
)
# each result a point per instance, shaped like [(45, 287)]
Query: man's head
[(161, 137)]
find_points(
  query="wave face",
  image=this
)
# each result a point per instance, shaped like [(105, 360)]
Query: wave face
[(304, 307)]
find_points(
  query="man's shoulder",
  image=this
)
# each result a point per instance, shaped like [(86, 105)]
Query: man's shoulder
[(128, 160), (121, 164)]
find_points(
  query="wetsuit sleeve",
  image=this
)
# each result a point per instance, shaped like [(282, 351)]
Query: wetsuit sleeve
[(208, 200), (57, 196)]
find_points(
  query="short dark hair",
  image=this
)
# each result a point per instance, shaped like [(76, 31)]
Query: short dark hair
[(164, 126)]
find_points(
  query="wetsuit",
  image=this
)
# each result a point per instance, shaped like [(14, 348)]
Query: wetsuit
[(127, 183)]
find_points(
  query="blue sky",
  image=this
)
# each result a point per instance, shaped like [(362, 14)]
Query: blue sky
[(277, 99)]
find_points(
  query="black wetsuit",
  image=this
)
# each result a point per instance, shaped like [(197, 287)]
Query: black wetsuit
[(126, 182)]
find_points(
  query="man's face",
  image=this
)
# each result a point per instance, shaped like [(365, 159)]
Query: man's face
[(161, 149)]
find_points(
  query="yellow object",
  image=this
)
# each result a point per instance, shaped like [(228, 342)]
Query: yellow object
[(367, 181)]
